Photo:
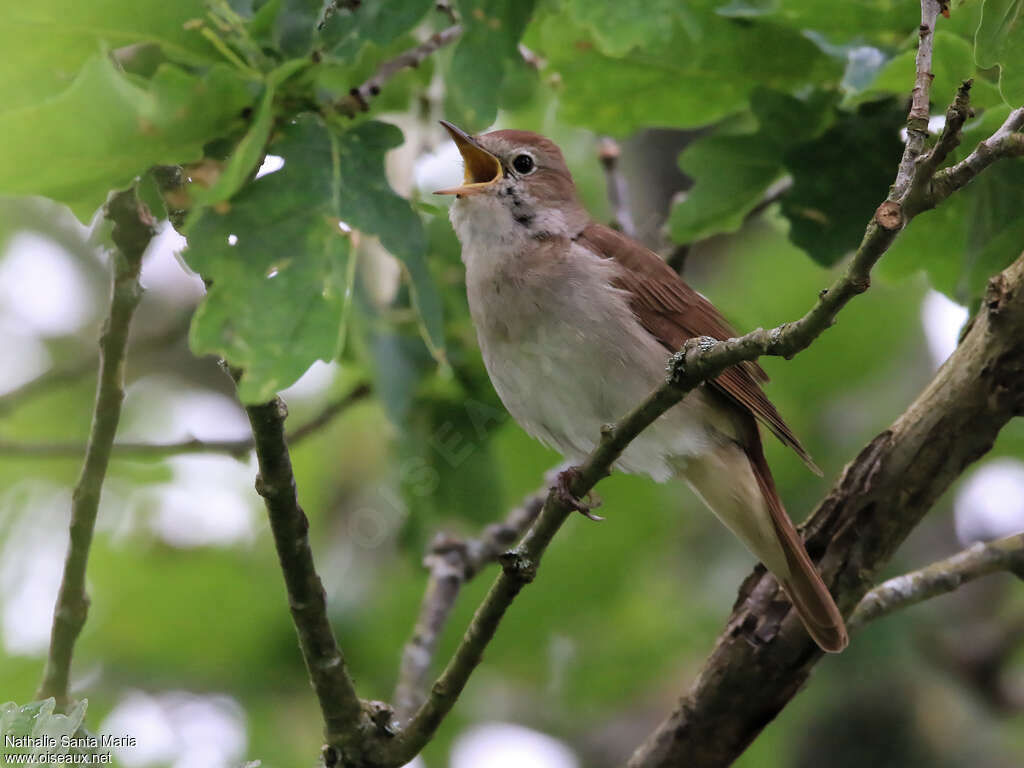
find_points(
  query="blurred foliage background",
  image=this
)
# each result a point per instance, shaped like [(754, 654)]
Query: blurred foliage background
[(757, 137)]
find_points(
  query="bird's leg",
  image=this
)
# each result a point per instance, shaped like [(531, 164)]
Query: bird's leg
[(562, 487)]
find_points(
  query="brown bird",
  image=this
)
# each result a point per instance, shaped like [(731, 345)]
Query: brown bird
[(575, 321)]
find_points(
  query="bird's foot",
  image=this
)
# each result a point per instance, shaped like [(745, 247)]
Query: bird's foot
[(562, 487)]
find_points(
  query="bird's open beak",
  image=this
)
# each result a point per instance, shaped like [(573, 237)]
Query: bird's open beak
[(482, 168)]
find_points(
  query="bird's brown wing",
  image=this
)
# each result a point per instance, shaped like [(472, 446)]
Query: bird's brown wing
[(673, 312)]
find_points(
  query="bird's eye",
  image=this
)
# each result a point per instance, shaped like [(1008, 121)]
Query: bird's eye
[(523, 163)]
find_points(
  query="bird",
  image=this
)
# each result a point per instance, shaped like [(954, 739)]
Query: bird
[(575, 321)]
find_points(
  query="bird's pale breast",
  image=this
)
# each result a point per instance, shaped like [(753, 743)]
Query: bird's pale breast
[(567, 355)]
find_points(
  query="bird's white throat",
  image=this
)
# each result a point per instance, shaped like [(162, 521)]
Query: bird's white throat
[(493, 227)]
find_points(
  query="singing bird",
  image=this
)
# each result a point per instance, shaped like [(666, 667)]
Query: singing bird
[(575, 321)]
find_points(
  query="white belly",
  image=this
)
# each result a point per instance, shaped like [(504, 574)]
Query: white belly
[(566, 355)]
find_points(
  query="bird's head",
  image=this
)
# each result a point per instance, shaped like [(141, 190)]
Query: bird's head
[(515, 179)]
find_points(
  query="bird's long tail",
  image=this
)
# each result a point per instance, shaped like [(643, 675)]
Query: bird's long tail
[(736, 483)]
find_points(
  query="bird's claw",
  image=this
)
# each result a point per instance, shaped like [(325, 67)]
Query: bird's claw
[(563, 481)]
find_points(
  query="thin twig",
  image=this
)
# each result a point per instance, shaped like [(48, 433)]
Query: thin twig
[(917, 119), (342, 710), (1008, 141), (134, 227), (452, 562), (72, 372), (980, 559), (358, 99), (608, 153), (137, 450)]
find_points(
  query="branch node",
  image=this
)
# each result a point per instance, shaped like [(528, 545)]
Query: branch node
[(280, 408), (581, 502), (517, 566), (263, 488), (382, 715), (889, 215)]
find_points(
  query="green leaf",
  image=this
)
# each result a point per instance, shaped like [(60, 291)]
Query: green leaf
[(119, 128), (46, 42), (877, 21), (658, 85), (37, 720), (250, 150), (618, 28), (731, 172), (448, 465), (246, 157), (999, 41), (279, 263), (731, 175), (276, 263), (293, 28), (335, 78), (952, 63), (370, 205), (339, 30), (490, 37), (399, 363), (840, 178), (376, 21)]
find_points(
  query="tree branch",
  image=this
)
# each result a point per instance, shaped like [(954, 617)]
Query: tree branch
[(237, 448), (980, 559), (358, 99), (134, 226), (452, 562), (344, 717)]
